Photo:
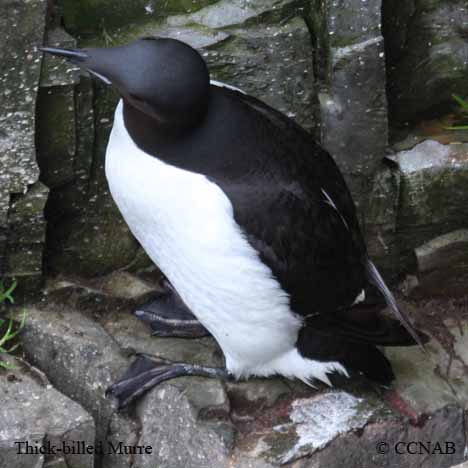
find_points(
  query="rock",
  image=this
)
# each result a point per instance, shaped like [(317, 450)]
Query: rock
[(82, 353), (427, 55), (34, 412), (56, 73), (420, 197), (177, 439), (56, 135), (176, 430), (311, 424), (131, 334), (258, 47), (86, 233), (56, 124), (384, 444), (124, 285), (91, 244), (22, 27), (90, 17), (443, 264), (463, 465), (349, 61), (421, 379), (433, 384), (381, 222), (82, 337), (255, 395), (442, 251), (433, 199), (435, 378), (116, 290), (78, 357), (27, 237), (408, 285)]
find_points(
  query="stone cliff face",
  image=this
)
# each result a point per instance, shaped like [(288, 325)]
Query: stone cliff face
[(22, 195), (325, 64), (373, 81)]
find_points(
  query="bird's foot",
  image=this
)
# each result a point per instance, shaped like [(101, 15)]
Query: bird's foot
[(168, 316), (145, 373)]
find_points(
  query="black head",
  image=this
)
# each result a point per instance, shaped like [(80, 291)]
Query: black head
[(164, 78)]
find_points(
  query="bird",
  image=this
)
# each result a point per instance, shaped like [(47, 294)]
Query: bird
[(248, 218)]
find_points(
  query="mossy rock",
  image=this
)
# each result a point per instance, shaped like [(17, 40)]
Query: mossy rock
[(91, 245), (427, 50), (56, 135), (91, 17), (433, 196)]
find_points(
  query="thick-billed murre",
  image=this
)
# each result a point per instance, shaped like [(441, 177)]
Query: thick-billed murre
[(248, 218)]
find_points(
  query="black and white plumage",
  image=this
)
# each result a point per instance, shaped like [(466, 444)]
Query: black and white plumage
[(248, 218)]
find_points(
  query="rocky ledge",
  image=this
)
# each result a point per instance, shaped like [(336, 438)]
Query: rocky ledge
[(82, 336)]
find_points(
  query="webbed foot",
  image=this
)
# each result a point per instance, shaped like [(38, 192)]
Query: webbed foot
[(168, 316), (145, 373)]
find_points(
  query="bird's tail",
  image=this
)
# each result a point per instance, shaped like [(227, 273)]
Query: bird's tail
[(374, 277)]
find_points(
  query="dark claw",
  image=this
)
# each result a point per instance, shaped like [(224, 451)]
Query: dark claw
[(144, 374), (168, 316), (171, 327)]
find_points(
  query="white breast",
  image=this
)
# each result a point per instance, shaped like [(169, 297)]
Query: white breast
[(185, 223)]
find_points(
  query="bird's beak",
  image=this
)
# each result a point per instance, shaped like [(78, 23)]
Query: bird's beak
[(77, 57)]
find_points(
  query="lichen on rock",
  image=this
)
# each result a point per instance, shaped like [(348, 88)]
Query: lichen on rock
[(22, 26)]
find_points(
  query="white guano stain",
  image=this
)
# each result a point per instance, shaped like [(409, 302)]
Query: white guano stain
[(321, 419)]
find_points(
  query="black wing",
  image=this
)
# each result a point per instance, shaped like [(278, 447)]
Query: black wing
[(304, 225), (297, 212)]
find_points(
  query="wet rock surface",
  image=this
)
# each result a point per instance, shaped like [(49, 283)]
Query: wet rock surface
[(83, 336)]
